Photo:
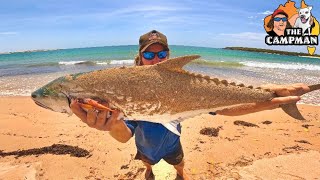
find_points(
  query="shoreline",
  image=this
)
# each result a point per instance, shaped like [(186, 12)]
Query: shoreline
[(314, 57), (29, 51), (22, 75), (270, 51)]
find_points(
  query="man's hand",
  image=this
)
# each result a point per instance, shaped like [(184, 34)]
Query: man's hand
[(288, 90), (287, 94), (100, 120)]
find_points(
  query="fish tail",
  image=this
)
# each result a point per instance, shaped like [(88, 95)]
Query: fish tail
[(314, 87)]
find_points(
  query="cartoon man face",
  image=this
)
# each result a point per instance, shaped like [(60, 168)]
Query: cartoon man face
[(280, 22)]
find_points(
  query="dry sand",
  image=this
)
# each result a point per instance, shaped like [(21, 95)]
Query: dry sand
[(36, 143)]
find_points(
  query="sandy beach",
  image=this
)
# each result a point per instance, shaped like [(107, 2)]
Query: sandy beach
[(36, 143)]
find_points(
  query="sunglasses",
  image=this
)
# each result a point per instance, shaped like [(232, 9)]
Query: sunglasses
[(150, 55), (284, 19)]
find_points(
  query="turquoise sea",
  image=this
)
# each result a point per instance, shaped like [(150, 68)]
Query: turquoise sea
[(23, 72)]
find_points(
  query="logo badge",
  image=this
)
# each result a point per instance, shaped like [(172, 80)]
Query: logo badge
[(154, 36), (288, 25)]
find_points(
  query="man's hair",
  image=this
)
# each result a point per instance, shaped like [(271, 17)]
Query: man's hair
[(137, 60)]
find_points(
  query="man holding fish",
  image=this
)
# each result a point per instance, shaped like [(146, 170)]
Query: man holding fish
[(156, 141)]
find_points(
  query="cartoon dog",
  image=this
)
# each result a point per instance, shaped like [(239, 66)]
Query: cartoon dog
[(303, 21)]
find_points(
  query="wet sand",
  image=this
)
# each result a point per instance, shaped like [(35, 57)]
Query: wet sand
[(36, 143)]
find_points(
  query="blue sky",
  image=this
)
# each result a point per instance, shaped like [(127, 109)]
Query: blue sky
[(52, 24)]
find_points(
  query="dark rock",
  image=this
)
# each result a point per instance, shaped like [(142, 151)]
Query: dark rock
[(243, 123), (211, 131)]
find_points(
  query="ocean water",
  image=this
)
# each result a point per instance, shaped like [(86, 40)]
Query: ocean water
[(23, 72)]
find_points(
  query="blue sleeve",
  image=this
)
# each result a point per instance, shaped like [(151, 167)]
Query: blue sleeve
[(131, 125)]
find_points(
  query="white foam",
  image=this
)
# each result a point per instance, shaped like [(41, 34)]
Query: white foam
[(309, 104), (295, 66), (70, 62), (16, 93), (128, 61), (115, 62), (314, 57)]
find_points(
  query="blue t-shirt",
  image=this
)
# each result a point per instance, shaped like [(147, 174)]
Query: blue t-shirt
[(153, 140)]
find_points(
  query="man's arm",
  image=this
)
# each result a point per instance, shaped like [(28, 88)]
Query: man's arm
[(287, 94), (116, 127), (119, 130)]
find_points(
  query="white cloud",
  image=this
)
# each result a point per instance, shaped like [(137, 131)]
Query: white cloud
[(131, 10), (266, 12), (255, 24), (8, 33), (245, 36), (251, 17), (146, 11), (171, 19)]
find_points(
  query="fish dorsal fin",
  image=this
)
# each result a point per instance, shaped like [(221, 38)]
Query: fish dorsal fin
[(178, 62)]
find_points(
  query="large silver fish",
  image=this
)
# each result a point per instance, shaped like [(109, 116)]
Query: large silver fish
[(157, 93)]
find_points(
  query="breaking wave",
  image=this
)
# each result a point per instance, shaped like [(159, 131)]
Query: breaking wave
[(42, 64), (88, 63), (76, 63), (126, 61), (289, 66), (217, 63)]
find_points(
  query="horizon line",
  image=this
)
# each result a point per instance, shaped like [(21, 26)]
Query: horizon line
[(55, 49)]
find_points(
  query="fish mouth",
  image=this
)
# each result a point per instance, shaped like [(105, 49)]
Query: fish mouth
[(69, 98), (42, 105)]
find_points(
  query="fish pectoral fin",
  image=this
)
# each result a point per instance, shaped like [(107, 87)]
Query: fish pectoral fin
[(292, 110), (178, 62)]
